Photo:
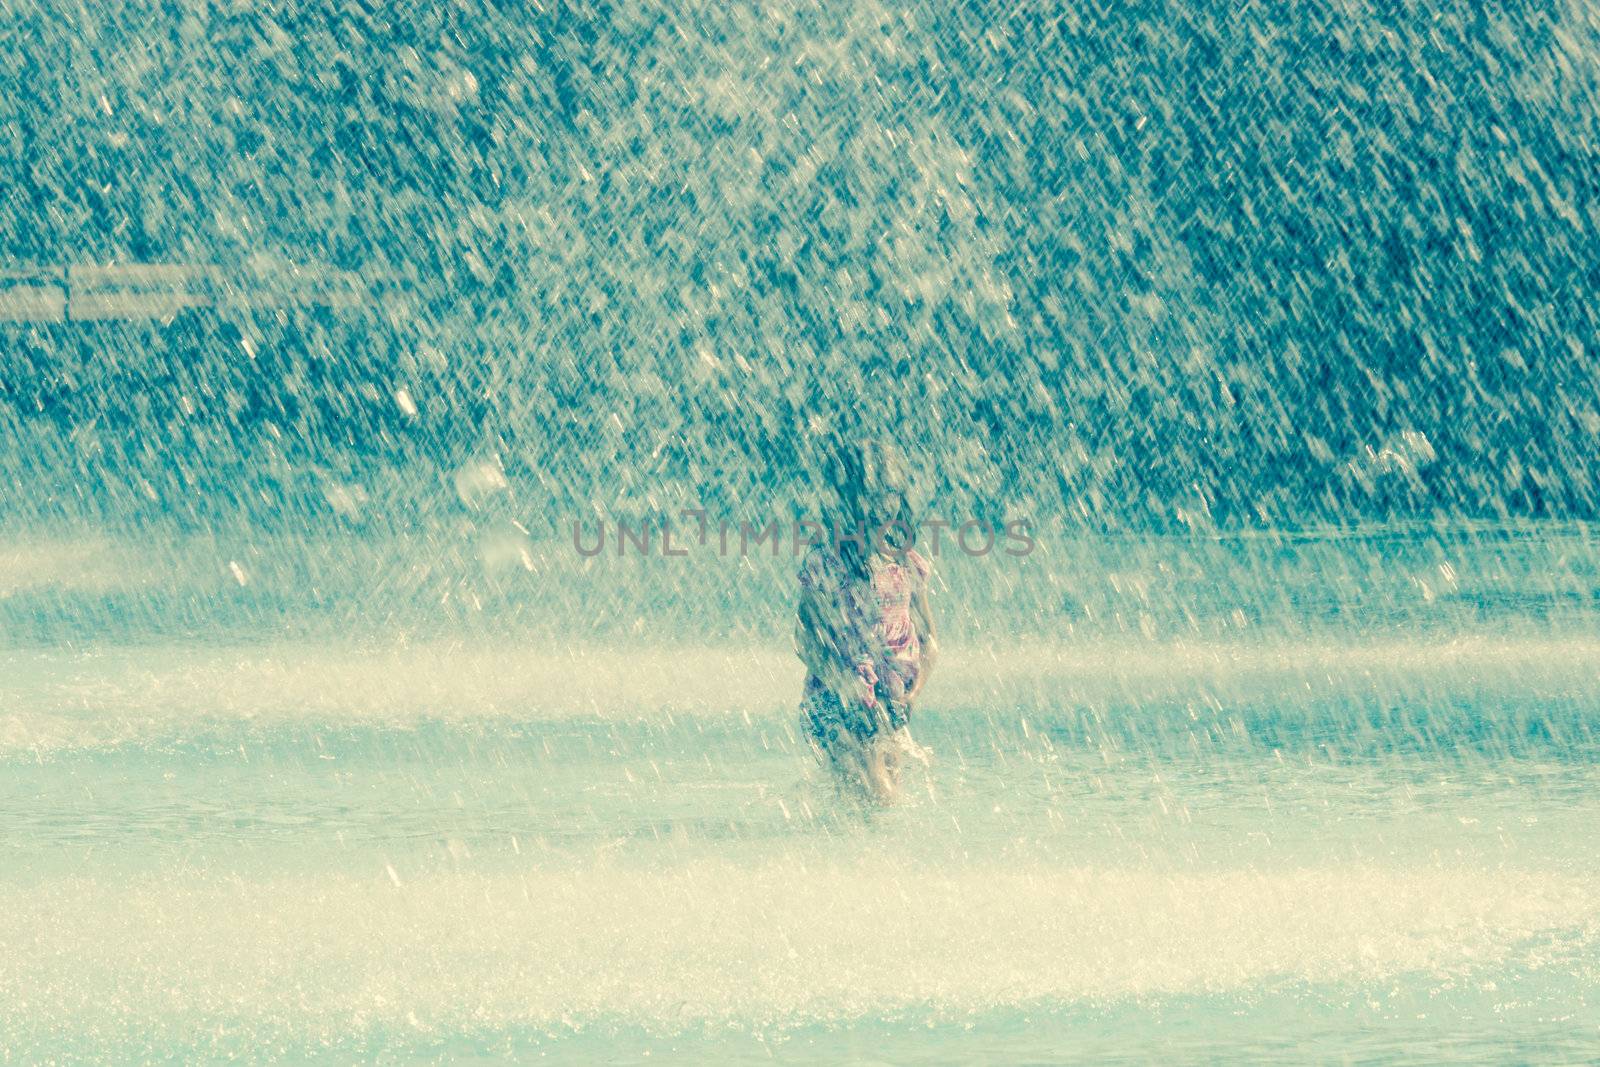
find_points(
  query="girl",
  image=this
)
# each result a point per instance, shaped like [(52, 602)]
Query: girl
[(864, 629)]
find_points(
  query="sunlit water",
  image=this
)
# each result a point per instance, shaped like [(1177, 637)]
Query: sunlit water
[(310, 312), (1365, 839)]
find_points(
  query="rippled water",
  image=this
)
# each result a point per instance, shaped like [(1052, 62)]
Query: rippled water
[(1304, 842)]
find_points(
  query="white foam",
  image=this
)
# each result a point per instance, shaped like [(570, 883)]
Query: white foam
[(56, 699), (768, 943)]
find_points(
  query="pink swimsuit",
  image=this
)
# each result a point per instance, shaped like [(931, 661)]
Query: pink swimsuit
[(876, 636), (893, 584)]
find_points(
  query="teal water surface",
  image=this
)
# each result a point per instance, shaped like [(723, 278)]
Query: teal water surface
[(1310, 843)]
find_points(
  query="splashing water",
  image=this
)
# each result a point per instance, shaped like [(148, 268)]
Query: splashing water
[(322, 325)]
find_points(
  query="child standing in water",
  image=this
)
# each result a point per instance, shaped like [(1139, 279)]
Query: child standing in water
[(864, 628)]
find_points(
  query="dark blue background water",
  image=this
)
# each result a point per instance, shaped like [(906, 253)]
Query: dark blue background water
[(1153, 264)]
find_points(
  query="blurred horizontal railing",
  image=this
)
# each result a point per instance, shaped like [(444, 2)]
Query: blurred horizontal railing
[(98, 292)]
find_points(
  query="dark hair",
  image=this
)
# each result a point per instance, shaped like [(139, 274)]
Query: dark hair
[(858, 472)]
